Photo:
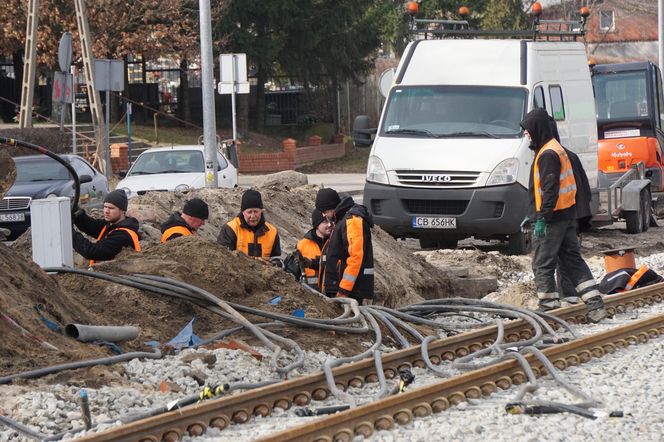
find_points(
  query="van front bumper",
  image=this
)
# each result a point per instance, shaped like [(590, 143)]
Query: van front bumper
[(483, 212)]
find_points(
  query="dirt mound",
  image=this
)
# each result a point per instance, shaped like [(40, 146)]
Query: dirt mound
[(402, 278), (24, 288)]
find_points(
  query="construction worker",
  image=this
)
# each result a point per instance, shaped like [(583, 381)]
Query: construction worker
[(311, 245), (249, 232), (187, 222), (113, 233), (554, 189), (349, 270)]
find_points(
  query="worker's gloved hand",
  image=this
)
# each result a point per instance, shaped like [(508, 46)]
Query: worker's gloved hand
[(277, 262), (540, 228)]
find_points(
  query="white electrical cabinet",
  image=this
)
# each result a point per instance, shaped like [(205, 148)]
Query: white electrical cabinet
[(50, 221)]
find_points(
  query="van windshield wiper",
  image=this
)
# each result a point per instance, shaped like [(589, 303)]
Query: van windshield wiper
[(480, 133), (407, 131), (142, 172)]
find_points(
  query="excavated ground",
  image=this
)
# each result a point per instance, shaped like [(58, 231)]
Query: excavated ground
[(402, 278)]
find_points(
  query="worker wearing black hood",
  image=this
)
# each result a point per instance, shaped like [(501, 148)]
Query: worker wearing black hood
[(554, 190), (349, 270)]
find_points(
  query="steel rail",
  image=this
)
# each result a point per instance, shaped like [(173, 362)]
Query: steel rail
[(402, 408), (238, 408)]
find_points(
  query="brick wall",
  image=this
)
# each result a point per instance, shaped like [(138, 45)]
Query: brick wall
[(291, 156)]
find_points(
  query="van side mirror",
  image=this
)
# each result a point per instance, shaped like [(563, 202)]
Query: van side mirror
[(84, 179), (122, 173), (362, 132)]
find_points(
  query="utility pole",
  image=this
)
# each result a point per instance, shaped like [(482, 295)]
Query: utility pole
[(29, 66), (207, 85)]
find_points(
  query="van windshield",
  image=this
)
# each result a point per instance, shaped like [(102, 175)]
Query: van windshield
[(455, 111), (621, 96)]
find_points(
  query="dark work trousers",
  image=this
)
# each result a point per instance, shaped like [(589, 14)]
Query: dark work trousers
[(560, 244)]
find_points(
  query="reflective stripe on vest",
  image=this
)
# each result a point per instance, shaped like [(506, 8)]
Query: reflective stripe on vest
[(134, 238), (635, 277), (309, 249), (182, 230), (567, 191), (246, 237)]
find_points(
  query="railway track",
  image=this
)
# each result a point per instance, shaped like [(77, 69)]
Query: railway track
[(402, 408)]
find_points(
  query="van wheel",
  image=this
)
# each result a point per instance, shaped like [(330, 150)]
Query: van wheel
[(519, 243)]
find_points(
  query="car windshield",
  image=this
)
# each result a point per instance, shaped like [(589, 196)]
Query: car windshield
[(621, 96), (455, 111), (168, 161), (40, 169)]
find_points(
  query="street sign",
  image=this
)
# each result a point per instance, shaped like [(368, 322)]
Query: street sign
[(109, 75), (63, 87), (233, 69), (65, 52)]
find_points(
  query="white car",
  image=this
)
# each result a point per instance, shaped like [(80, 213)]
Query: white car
[(175, 168)]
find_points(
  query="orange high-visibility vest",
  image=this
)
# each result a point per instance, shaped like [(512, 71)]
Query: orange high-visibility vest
[(635, 277), (309, 249), (134, 238), (567, 191), (182, 230), (246, 237)]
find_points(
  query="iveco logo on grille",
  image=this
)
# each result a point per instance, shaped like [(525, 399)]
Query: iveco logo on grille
[(437, 178)]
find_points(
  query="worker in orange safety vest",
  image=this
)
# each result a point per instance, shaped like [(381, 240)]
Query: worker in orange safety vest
[(311, 245), (114, 232), (187, 222), (554, 191)]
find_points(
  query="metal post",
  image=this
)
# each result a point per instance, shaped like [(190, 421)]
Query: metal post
[(129, 131), (107, 139), (208, 90), (660, 33), (235, 79), (73, 110)]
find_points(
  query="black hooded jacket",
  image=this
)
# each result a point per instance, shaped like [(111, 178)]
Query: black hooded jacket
[(113, 241), (349, 269), (537, 123)]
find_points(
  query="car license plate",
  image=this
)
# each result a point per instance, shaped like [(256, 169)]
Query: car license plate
[(12, 217), (433, 222)]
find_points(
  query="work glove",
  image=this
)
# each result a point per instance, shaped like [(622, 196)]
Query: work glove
[(78, 213), (540, 228)]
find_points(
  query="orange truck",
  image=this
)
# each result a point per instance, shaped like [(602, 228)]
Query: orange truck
[(630, 106)]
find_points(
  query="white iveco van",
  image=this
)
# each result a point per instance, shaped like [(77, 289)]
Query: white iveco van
[(449, 159)]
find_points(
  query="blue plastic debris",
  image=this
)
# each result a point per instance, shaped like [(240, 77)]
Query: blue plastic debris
[(276, 300), (185, 338), (298, 312)]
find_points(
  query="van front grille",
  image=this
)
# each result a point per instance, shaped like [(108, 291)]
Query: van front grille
[(436, 178)]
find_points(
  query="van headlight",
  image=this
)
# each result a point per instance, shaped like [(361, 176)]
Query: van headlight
[(182, 188), (376, 171), (504, 173)]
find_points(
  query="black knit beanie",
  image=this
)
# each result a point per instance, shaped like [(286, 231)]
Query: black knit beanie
[(118, 198), (327, 199), (251, 199), (317, 217), (197, 208)]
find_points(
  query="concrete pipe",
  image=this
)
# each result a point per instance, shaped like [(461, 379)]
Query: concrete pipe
[(88, 333)]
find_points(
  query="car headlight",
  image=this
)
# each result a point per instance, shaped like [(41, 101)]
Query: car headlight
[(126, 190), (504, 173), (182, 188), (376, 171)]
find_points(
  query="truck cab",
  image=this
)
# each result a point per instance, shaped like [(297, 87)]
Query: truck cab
[(630, 107)]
